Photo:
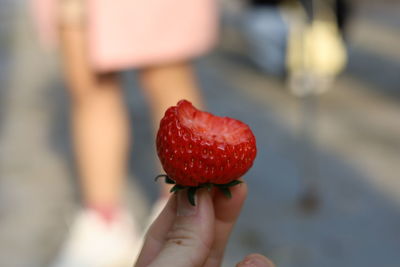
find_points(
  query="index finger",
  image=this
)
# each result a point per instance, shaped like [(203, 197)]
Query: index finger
[(155, 237), (226, 214)]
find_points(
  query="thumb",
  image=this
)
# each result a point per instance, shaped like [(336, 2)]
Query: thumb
[(255, 260), (190, 238)]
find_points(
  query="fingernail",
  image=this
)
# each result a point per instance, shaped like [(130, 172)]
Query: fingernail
[(184, 208), (254, 261)]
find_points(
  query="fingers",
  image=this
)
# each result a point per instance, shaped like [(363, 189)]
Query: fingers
[(255, 260), (226, 213), (156, 235), (190, 238)]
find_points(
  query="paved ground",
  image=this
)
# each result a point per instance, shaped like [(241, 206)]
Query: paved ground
[(354, 152)]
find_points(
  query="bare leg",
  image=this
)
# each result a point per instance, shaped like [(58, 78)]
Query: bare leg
[(99, 122), (165, 85)]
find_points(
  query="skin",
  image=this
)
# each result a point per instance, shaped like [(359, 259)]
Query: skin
[(182, 235), (97, 106), (188, 236)]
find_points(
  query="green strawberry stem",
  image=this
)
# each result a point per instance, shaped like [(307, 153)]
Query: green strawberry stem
[(224, 188), (167, 179)]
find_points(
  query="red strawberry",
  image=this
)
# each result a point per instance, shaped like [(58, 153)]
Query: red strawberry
[(198, 149)]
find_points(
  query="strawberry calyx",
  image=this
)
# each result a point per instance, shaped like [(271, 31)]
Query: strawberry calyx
[(191, 192)]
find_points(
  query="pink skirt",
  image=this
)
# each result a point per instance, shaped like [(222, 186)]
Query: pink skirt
[(135, 33)]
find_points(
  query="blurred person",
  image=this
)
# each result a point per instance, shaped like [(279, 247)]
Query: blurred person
[(265, 33), (297, 39), (316, 52), (187, 236), (98, 38)]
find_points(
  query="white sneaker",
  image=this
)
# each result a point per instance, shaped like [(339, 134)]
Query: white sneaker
[(93, 242)]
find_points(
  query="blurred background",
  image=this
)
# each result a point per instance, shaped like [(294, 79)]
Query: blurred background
[(318, 86)]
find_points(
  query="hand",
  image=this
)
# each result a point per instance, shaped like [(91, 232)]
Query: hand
[(187, 236)]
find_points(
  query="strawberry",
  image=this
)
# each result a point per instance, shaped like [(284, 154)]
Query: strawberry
[(198, 149)]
